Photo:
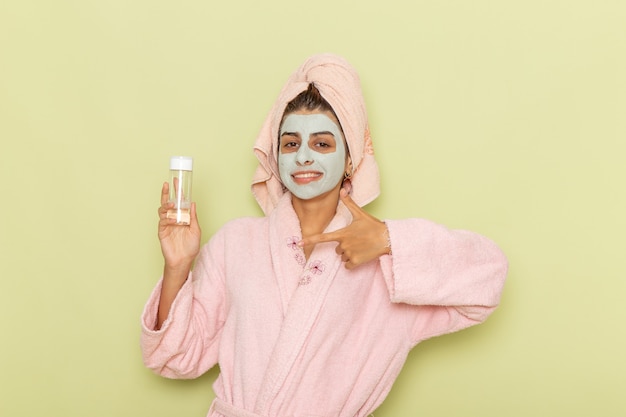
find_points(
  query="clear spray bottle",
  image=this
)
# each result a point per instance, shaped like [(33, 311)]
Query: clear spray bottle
[(181, 169)]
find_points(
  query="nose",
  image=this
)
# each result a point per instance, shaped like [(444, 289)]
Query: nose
[(304, 156)]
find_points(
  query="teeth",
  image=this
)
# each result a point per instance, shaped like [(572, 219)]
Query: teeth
[(306, 175)]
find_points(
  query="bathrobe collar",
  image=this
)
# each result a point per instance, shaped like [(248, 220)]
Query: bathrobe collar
[(293, 271), (303, 285)]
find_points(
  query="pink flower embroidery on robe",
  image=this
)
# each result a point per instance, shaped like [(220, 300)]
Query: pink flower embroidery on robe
[(292, 243), (305, 280), (300, 258), (316, 267)]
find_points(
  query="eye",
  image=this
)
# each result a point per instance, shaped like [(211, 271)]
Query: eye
[(323, 143), (289, 143)]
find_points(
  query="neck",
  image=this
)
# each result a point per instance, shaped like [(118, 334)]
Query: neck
[(316, 214)]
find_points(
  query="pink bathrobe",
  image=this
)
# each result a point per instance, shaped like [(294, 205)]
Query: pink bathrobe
[(310, 338)]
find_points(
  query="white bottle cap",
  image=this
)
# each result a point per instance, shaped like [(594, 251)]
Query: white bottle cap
[(181, 163)]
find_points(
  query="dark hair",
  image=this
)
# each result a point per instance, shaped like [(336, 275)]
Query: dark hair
[(310, 99)]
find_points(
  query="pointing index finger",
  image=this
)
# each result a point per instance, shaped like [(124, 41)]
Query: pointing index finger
[(319, 238)]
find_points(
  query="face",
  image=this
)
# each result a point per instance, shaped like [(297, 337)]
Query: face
[(312, 154)]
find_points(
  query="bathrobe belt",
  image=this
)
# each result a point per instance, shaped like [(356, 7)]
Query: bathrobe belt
[(229, 410)]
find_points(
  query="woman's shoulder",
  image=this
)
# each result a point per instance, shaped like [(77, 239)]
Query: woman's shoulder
[(244, 226), (244, 222), (238, 233)]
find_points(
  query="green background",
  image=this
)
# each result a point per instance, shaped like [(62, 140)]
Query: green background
[(502, 117)]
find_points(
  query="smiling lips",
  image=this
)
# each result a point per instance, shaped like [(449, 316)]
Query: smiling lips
[(305, 177)]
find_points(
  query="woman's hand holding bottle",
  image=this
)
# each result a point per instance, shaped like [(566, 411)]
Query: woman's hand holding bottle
[(180, 245)]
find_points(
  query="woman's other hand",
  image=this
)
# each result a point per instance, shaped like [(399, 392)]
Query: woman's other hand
[(363, 240)]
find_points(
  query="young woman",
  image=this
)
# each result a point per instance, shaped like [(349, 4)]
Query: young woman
[(312, 309)]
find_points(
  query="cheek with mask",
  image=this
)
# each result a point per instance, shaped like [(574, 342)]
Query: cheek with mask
[(305, 171)]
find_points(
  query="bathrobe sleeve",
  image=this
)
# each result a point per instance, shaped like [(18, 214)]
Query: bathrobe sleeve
[(451, 279), (187, 344)]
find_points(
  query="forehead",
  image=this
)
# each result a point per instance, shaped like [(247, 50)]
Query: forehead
[(310, 122)]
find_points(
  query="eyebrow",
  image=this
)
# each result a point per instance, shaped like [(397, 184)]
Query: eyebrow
[(325, 132)]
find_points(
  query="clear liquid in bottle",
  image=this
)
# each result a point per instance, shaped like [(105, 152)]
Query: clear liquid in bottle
[(181, 169)]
